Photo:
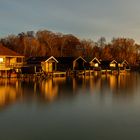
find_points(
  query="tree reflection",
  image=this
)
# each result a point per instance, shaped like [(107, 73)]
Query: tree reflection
[(13, 90)]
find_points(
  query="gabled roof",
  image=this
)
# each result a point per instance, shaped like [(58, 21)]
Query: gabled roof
[(80, 57), (65, 60), (36, 60), (51, 58), (94, 60), (68, 60), (125, 62), (108, 62), (7, 52), (113, 61), (105, 62)]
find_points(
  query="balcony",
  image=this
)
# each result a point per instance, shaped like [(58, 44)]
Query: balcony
[(15, 65), (4, 66)]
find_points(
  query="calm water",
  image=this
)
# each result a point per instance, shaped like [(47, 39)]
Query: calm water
[(96, 108)]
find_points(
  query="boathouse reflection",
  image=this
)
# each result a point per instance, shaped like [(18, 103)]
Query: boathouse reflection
[(10, 91), (13, 90)]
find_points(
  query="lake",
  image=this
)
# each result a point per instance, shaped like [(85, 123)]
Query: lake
[(87, 108)]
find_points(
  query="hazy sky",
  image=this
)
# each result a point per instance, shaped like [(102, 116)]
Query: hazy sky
[(83, 18)]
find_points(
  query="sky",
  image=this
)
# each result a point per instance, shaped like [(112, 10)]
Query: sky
[(86, 19)]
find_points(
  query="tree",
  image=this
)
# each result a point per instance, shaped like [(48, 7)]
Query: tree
[(106, 53), (101, 42), (88, 48)]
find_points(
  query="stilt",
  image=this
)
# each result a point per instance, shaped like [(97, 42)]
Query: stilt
[(6, 73)]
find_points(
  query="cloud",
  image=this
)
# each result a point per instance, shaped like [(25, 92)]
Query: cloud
[(85, 18)]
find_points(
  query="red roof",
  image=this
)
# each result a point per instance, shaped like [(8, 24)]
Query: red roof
[(7, 52)]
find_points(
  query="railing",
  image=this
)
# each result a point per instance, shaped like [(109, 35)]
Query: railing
[(17, 65), (2, 66)]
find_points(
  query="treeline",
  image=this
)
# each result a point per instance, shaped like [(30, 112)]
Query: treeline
[(47, 43)]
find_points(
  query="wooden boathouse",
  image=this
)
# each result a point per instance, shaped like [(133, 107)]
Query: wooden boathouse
[(10, 62)]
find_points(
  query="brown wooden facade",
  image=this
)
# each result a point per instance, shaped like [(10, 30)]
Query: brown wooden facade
[(9, 61), (49, 65)]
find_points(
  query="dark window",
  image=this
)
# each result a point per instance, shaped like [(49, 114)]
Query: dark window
[(19, 60)]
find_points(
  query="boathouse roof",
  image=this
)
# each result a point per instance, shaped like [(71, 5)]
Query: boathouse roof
[(50, 58), (65, 60), (105, 62), (7, 52), (123, 62), (36, 60), (95, 60)]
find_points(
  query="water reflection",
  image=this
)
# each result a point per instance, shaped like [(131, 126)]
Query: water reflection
[(13, 90), (9, 91)]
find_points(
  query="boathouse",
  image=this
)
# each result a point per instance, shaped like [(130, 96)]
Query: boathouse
[(94, 64), (65, 63), (49, 65), (124, 65), (105, 64), (109, 65), (33, 65), (79, 63), (10, 61), (36, 65), (71, 63), (113, 65)]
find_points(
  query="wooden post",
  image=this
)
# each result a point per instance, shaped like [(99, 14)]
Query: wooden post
[(35, 69), (6, 73), (55, 66), (84, 72), (118, 70)]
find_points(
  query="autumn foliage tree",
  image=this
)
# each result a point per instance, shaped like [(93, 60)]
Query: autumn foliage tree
[(124, 48), (48, 43)]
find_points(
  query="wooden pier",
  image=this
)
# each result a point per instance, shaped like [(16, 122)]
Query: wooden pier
[(72, 73), (59, 74)]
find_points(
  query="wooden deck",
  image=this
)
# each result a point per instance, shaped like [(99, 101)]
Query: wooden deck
[(72, 73), (59, 74)]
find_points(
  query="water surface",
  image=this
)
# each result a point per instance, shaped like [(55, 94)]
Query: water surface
[(91, 108)]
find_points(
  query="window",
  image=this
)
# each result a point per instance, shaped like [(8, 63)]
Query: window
[(120, 65), (19, 60), (112, 65), (1, 60), (96, 65)]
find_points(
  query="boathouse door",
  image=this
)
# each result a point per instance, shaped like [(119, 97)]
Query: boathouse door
[(79, 64)]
